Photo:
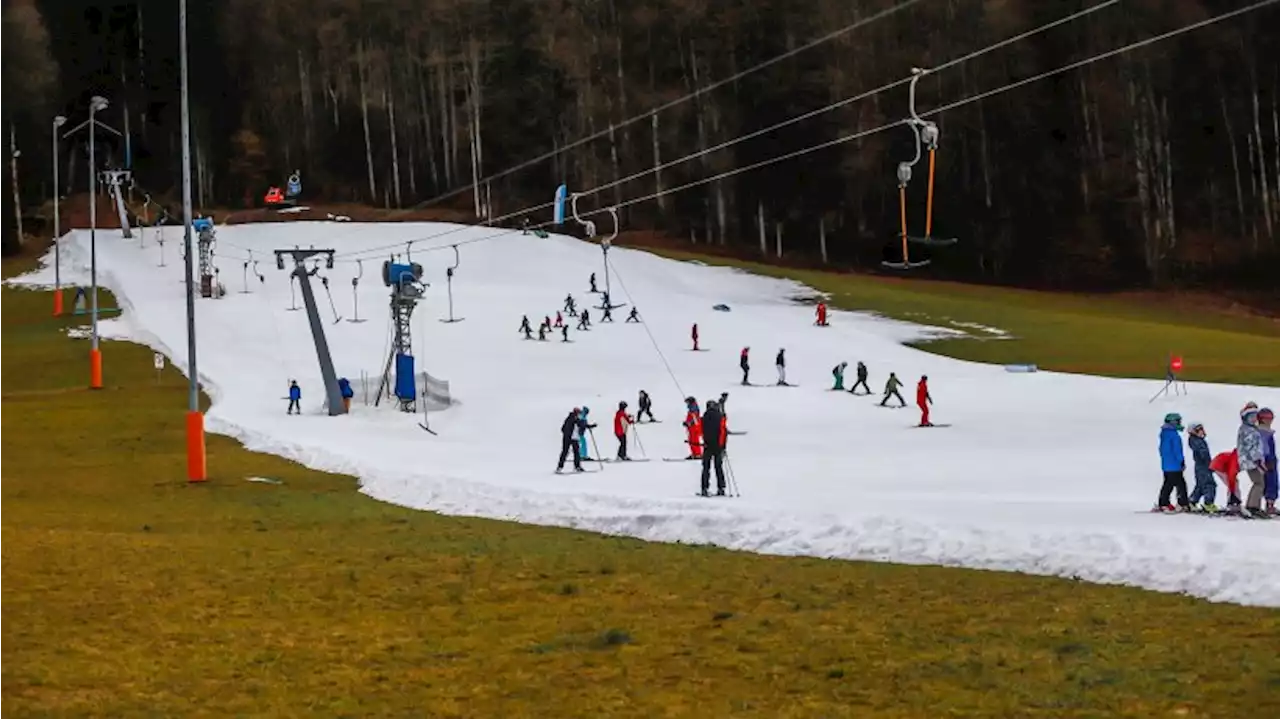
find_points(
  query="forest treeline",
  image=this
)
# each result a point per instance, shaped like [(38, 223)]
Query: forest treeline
[(1152, 168)]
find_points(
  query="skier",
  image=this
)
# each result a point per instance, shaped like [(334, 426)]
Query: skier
[(605, 302), (564, 333), (542, 333), (569, 442), (781, 363), (923, 400), (891, 390), (724, 400), (584, 430), (593, 284), (1206, 489), (1252, 459), (608, 314), (634, 316), (546, 322), (646, 407), (1270, 478), (716, 437), (822, 314), (621, 421), (295, 397), (693, 428), (525, 328), (695, 336), (862, 380), (1226, 467), (1173, 464), (745, 363), (344, 388), (559, 319), (570, 306), (838, 373), (584, 320)]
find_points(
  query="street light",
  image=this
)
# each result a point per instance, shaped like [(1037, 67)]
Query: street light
[(196, 464), (58, 121), (96, 104)]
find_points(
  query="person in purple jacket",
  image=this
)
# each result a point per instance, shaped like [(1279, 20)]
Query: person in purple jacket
[(1271, 474)]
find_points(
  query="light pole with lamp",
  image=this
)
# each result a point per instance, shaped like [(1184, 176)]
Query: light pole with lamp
[(196, 461), (96, 104), (58, 121)]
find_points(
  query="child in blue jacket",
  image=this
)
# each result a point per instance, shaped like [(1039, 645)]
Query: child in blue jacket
[(295, 397), (1206, 488), (1173, 464)]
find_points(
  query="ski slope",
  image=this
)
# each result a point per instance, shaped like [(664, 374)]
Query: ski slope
[(1042, 473)]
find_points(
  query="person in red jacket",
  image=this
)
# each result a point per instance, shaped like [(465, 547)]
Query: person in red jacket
[(695, 336), (923, 400), (822, 314), (693, 425), (1226, 466), (621, 422)]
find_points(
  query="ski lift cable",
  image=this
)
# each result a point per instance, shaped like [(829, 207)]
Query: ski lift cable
[(653, 340), (1136, 45), (1012, 40)]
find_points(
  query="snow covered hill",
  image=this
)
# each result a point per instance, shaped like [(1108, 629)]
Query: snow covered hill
[(1043, 473)]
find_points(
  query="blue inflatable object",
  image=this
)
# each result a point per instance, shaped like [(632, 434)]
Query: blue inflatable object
[(562, 193), (720, 308), (406, 387), (200, 224), (294, 188)]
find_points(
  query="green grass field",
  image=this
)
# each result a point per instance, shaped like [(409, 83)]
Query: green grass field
[(127, 592), (1065, 332)]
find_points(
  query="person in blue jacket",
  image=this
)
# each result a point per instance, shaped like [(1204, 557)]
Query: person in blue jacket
[(295, 397), (584, 428), (1173, 463), (344, 386)]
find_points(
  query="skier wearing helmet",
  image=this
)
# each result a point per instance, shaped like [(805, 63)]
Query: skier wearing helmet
[(1206, 488), (1270, 477), (1173, 463), (621, 422), (1252, 459), (744, 363), (569, 441)]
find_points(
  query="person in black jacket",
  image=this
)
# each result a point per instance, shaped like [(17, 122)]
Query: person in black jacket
[(569, 441), (715, 434), (862, 381), (646, 407)]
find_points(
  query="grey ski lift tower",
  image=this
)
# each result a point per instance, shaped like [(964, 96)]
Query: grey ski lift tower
[(333, 395), (605, 242), (114, 179), (407, 288)]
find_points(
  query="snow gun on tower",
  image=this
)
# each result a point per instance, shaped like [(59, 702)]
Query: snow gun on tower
[(407, 288)]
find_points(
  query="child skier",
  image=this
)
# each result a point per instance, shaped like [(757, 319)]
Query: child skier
[(593, 284), (838, 373), (822, 315), (584, 431), (891, 390), (542, 332), (695, 336), (646, 407), (634, 316), (1173, 463), (608, 314), (744, 362), (1252, 459), (564, 333), (780, 362), (862, 380), (570, 306), (344, 388), (526, 328), (923, 400), (569, 442), (1206, 489), (621, 422), (1226, 466), (559, 319), (1270, 477), (295, 397), (584, 320), (693, 428)]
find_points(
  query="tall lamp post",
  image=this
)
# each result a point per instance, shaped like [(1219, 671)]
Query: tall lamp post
[(58, 121), (96, 104), (196, 461)]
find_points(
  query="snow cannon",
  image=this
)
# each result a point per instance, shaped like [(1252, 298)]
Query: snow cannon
[(405, 279), (562, 192), (294, 186), (202, 224)]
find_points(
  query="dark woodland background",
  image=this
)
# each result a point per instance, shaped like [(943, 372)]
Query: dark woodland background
[(1157, 168)]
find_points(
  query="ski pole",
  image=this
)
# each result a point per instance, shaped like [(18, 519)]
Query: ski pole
[(596, 447), (636, 433), (733, 479)]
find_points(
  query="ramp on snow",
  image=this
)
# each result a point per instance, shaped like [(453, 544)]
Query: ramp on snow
[(1043, 473)]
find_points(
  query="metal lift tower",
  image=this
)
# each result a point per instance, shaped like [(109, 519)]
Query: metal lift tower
[(332, 393), (405, 281)]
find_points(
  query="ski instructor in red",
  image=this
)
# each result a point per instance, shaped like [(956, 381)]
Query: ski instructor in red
[(923, 400)]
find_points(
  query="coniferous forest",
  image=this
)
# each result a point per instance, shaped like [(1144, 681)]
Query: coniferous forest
[(1158, 167)]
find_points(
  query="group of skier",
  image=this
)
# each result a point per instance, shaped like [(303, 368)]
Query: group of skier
[(1254, 454), (571, 310)]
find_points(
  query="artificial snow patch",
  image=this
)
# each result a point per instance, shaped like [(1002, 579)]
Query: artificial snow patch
[(291, 211), (1041, 473), (262, 480)]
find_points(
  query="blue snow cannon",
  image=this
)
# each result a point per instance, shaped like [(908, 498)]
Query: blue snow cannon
[(397, 274), (200, 224)]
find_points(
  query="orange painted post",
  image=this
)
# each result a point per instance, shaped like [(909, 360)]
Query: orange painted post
[(902, 205), (95, 369), (928, 213), (195, 447), (57, 302)]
